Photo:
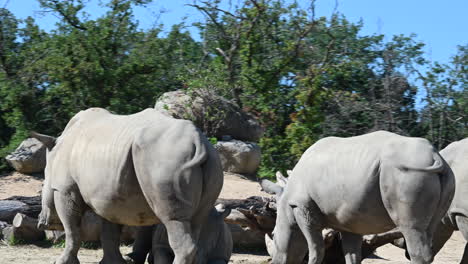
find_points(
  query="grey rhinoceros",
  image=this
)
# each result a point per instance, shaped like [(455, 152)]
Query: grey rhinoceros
[(138, 170), (456, 218), (215, 245), (456, 155), (362, 185)]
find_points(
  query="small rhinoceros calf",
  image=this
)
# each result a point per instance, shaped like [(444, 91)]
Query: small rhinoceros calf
[(214, 245)]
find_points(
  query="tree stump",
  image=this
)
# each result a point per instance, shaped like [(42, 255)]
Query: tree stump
[(24, 229)]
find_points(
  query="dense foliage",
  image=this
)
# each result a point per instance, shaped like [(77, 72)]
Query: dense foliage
[(304, 77)]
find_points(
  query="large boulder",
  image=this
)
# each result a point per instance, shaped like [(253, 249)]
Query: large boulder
[(213, 114), (238, 156), (29, 157)]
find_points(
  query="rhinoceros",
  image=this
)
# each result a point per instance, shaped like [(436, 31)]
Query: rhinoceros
[(456, 155), (456, 218), (215, 241), (137, 170), (362, 185)]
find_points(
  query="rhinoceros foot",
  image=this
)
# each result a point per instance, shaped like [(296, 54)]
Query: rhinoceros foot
[(67, 259), (116, 261)]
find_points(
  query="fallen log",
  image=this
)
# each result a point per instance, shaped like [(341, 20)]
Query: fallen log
[(23, 229), (30, 206)]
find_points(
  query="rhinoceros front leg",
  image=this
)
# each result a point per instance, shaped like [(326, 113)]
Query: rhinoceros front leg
[(312, 231), (162, 256), (351, 244), (142, 245), (110, 240), (462, 223), (69, 208)]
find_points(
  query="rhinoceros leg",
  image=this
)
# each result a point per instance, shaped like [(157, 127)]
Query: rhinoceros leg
[(182, 241), (110, 240), (351, 244), (462, 223), (142, 245), (69, 209), (441, 235), (313, 234), (418, 243), (163, 256)]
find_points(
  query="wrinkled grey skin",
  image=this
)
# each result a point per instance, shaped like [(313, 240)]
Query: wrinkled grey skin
[(363, 185), (140, 169), (215, 244)]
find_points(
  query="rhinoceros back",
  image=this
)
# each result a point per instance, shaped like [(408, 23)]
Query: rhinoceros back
[(343, 176), (95, 152)]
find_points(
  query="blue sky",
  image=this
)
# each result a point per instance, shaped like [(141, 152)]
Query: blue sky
[(442, 25)]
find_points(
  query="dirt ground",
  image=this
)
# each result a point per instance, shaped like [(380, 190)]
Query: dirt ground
[(234, 188)]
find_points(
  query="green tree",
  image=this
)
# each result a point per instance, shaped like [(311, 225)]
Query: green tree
[(445, 115)]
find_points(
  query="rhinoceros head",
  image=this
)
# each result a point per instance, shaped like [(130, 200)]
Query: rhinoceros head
[(284, 245), (216, 238)]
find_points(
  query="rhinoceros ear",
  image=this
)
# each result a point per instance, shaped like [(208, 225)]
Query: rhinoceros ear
[(270, 187), (223, 212), (48, 141), (281, 180)]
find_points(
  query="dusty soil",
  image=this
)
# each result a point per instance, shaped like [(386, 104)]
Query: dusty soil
[(19, 184), (234, 187)]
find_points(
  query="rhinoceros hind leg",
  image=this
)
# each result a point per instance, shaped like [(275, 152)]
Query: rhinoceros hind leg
[(419, 245), (69, 209), (182, 241), (110, 240)]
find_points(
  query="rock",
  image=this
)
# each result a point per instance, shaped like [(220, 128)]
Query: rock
[(213, 114), (29, 157), (239, 157)]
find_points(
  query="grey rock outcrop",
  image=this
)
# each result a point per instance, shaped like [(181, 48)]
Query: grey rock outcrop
[(29, 157), (213, 114), (238, 156)]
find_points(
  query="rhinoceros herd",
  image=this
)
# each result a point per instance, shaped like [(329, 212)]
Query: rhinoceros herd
[(147, 168)]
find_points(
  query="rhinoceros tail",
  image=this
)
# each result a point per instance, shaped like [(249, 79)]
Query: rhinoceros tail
[(437, 167), (199, 156)]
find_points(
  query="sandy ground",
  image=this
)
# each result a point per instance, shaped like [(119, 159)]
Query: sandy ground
[(19, 184), (234, 187)]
